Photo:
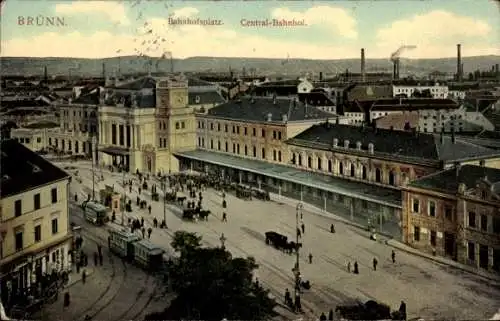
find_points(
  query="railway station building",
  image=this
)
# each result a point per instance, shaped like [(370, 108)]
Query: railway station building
[(353, 171)]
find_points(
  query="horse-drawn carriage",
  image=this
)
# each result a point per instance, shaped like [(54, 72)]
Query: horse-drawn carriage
[(261, 194), (371, 310), (281, 242), (192, 213), (243, 192)]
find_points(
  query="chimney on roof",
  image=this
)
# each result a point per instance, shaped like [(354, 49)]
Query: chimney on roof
[(335, 142), (285, 118), (320, 76), (459, 62), (363, 74), (269, 117), (371, 148)]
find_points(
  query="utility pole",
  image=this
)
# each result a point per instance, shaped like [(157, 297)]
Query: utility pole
[(296, 269), (93, 173)]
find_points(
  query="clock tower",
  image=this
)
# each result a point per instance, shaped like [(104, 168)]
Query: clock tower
[(175, 122)]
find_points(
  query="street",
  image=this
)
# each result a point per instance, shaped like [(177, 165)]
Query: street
[(430, 290)]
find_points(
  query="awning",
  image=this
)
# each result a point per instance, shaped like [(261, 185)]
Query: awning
[(115, 150), (360, 190)]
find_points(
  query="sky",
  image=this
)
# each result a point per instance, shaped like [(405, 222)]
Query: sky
[(327, 29)]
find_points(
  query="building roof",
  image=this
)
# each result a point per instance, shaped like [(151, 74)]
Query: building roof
[(42, 125), (138, 84), (142, 100), (198, 82), (413, 104), (203, 98), (258, 109), (449, 180), (365, 92), (23, 169), (397, 144), (316, 99)]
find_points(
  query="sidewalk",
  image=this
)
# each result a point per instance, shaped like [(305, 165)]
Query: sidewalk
[(389, 241)]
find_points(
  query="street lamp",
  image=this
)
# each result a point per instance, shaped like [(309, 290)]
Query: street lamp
[(296, 269)]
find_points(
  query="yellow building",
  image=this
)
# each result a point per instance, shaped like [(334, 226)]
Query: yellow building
[(35, 239), (35, 136), (456, 213), (143, 123)]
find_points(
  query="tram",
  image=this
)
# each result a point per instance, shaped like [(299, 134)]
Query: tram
[(96, 213)]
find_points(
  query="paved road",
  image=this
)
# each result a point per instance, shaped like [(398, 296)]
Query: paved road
[(430, 290)]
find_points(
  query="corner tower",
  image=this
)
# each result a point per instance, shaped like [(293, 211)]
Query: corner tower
[(175, 122)]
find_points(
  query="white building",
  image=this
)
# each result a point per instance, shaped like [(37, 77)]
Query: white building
[(457, 120), (437, 91)]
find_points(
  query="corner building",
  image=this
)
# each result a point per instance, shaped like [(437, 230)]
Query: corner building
[(456, 213), (35, 239)]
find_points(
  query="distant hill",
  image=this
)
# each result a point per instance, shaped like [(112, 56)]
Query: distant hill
[(130, 64)]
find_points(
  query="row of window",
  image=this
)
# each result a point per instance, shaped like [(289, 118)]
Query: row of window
[(19, 237), (473, 220), (81, 127), (70, 147), (277, 156), (344, 169), (123, 133), (236, 130), (18, 204), (85, 113)]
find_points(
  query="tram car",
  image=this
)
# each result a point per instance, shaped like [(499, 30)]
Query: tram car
[(131, 247), (95, 213)]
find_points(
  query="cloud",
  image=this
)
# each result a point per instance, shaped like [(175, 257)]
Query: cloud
[(185, 12), (435, 33), (114, 11), (325, 16)]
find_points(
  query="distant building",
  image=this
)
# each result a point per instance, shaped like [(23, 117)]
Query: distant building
[(319, 100), (437, 91), (456, 213), (35, 239)]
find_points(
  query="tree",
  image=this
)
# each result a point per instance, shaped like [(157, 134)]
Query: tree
[(212, 285)]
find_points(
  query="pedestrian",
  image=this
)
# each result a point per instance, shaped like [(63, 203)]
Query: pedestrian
[(95, 258), (139, 191), (356, 270), (322, 317), (303, 228), (101, 258), (330, 315), (130, 189), (155, 223), (332, 228), (84, 276), (310, 258), (349, 267), (142, 221), (224, 217), (113, 217), (76, 197), (393, 256), (375, 262), (402, 310), (224, 204), (149, 209), (149, 232), (298, 233)]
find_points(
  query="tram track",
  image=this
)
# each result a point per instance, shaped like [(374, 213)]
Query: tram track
[(109, 293)]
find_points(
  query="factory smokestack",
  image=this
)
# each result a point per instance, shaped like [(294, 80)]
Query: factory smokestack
[(497, 72), (459, 62), (363, 71), (395, 72)]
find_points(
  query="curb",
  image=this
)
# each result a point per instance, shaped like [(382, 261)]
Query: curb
[(391, 241), (466, 269)]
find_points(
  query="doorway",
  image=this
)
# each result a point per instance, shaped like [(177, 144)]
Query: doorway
[(483, 256), (450, 245)]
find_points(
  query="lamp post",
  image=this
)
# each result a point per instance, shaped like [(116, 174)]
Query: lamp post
[(124, 201), (296, 269)]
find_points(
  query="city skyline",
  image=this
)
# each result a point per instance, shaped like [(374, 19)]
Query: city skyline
[(247, 29)]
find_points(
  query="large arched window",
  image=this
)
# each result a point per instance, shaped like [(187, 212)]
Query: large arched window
[(353, 170), (309, 161), (364, 172), (392, 178), (319, 164), (341, 168), (378, 175), (329, 166)]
